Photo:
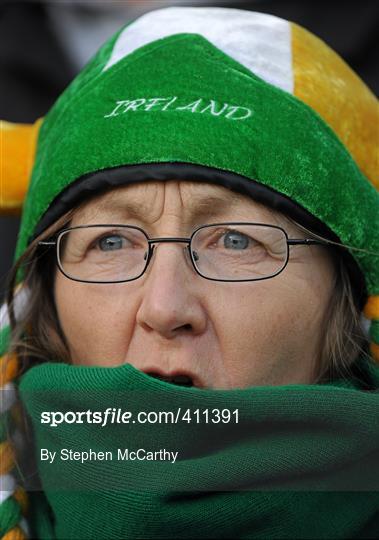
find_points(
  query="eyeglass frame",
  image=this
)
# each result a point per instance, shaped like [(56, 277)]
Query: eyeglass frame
[(152, 241)]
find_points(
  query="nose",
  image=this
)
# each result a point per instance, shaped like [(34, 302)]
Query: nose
[(171, 297)]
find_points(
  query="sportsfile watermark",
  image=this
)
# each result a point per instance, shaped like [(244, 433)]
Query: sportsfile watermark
[(175, 441), (113, 415)]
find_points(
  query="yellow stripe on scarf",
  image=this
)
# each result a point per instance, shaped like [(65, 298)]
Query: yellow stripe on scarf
[(15, 534), (371, 310), (8, 368), (6, 457)]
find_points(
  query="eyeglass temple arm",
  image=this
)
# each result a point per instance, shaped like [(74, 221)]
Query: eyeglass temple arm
[(307, 241)]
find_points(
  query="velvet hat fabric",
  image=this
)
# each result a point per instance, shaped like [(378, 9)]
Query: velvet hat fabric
[(169, 88)]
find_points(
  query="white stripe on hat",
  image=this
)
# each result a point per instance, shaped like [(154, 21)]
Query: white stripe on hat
[(25, 527), (7, 397), (259, 41), (7, 486), (20, 300)]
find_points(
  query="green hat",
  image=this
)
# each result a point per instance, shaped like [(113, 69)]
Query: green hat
[(250, 101)]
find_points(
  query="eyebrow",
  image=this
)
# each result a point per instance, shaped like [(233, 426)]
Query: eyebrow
[(207, 206)]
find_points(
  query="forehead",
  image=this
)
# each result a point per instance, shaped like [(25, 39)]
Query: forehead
[(193, 201)]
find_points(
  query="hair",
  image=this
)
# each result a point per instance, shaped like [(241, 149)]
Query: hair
[(36, 334), (344, 336)]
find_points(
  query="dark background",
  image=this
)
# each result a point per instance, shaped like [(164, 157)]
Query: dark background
[(44, 44)]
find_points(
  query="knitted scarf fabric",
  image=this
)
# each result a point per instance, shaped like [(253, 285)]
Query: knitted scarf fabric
[(301, 462)]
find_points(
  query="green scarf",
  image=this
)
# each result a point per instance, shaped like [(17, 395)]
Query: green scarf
[(301, 462)]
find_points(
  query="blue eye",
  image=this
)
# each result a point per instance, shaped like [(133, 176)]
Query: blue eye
[(111, 243), (236, 240)]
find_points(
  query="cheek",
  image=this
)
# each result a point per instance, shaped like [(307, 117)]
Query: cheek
[(95, 321), (267, 331), (250, 314)]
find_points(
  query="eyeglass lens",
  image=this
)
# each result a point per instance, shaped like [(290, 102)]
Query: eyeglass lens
[(232, 252)]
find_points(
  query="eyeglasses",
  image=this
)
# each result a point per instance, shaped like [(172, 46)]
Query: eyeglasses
[(236, 251)]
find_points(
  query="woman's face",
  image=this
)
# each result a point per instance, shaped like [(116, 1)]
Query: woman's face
[(172, 321)]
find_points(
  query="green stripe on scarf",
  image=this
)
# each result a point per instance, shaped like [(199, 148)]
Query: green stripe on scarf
[(10, 515)]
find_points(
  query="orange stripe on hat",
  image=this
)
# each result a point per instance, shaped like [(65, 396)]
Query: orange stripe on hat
[(328, 85), (17, 150)]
